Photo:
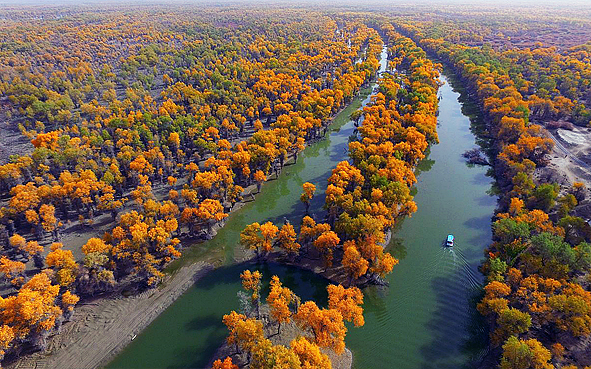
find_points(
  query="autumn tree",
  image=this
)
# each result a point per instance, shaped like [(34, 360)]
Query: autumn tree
[(279, 300), (33, 249), (348, 302), (307, 194), (97, 275), (309, 354), (244, 332), (325, 244), (353, 262), (12, 271), (32, 313), (251, 281), (286, 239), (259, 177), (226, 364), (525, 354), (259, 237), (210, 212), (63, 263), (327, 325)]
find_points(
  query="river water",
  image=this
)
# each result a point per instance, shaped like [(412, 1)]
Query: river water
[(424, 319)]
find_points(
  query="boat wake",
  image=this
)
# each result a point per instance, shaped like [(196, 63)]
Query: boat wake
[(451, 263)]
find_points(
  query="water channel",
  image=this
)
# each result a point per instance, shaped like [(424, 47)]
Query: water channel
[(424, 319)]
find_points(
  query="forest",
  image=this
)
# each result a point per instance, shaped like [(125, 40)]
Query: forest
[(130, 135)]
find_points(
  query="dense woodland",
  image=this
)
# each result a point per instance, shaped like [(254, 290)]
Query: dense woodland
[(153, 123), (156, 126)]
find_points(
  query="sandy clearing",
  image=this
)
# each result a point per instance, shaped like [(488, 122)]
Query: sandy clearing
[(569, 163), (573, 138), (12, 142), (102, 328)]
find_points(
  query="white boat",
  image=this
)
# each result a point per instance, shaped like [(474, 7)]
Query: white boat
[(449, 242)]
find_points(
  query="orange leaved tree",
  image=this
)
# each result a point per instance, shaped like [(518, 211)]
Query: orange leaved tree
[(306, 196), (279, 300)]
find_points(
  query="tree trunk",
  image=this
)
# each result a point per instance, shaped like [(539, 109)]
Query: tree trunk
[(38, 261), (39, 232), (56, 234)]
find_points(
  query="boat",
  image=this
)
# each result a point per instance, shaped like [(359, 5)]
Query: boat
[(449, 242)]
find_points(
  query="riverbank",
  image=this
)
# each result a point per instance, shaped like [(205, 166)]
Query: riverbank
[(547, 164), (101, 328), (312, 262)]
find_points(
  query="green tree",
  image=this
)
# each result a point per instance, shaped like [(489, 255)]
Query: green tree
[(529, 354), (544, 196), (511, 322)]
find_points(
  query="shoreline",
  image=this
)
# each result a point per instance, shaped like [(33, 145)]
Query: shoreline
[(114, 322)]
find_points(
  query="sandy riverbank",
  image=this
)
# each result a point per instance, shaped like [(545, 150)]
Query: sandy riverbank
[(100, 329)]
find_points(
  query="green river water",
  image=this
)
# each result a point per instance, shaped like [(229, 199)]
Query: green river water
[(424, 319)]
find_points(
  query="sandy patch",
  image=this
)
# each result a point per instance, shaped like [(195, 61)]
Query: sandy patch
[(569, 161), (12, 142), (575, 137)]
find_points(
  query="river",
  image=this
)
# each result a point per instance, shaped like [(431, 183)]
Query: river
[(424, 319)]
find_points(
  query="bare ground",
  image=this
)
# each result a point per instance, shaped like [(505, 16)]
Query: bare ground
[(312, 261), (12, 142), (570, 160)]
